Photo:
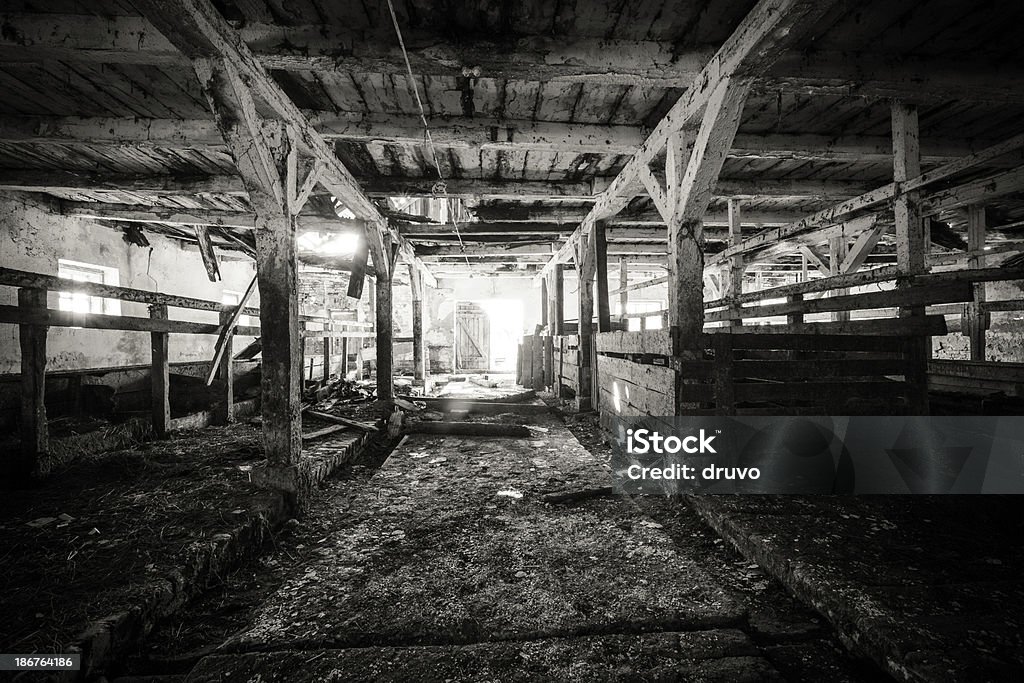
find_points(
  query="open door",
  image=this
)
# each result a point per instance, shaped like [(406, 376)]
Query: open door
[(472, 338)]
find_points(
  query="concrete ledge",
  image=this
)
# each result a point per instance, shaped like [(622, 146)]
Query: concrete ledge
[(205, 418), (920, 622), (110, 637)]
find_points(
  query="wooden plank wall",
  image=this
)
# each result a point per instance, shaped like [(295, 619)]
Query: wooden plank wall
[(533, 368), (564, 355), (755, 374)]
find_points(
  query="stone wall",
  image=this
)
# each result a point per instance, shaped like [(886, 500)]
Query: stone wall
[(1004, 340), (33, 237)]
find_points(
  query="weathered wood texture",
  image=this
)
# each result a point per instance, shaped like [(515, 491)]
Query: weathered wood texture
[(224, 410), (34, 429), (159, 374), (743, 372)]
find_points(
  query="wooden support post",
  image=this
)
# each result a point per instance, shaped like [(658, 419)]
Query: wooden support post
[(585, 267), (549, 361), (344, 357), (725, 391), (623, 284), (225, 413), (796, 317), (538, 362), (277, 271), (357, 275), (416, 284), (736, 266), (837, 251), (911, 248), (604, 318), (977, 319), (34, 430), (159, 374), (385, 369), (558, 284), (544, 305), (328, 352)]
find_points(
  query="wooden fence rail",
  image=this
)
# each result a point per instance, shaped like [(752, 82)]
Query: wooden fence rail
[(34, 319)]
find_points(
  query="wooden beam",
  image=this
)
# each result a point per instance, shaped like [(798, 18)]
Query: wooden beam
[(656, 191), (558, 284), (389, 186), (870, 200), (604, 319), (637, 286), (159, 374), (815, 259), (977, 191), (207, 253), (31, 180), (357, 276), (21, 278), (623, 292), (383, 328), (337, 48), (432, 254), (572, 216), (910, 233), (862, 248), (463, 133), (418, 348), (228, 323), (733, 272), (911, 241), (976, 317), (243, 220), (763, 34), (34, 428), (882, 77), (686, 261), (259, 152), (586, 266), (838, 249), (224, 411), (197, 29)]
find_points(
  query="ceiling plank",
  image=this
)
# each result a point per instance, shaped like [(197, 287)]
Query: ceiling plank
[(335, 49)]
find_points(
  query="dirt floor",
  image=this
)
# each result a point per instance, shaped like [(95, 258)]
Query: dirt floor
[(931, 586), (445, 563), (149, 526)]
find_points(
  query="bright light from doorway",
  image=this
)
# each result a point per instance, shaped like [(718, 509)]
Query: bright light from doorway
[(506, 319), (329, 245)]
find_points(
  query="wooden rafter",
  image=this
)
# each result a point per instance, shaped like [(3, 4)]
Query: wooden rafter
[(464, 133), (197, 29), (759, 39)]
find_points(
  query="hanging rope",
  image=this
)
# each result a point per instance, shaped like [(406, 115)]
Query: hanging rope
[(440, 188)]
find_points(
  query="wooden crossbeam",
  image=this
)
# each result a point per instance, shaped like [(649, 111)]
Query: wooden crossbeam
[(197, 29), (759, 39), (387, 186), (464, 133), (824, 219)]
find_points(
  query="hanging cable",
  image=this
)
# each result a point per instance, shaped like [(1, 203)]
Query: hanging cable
[(440, 188)]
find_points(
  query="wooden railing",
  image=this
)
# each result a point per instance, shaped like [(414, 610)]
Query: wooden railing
[(744, 372), (34, 318)]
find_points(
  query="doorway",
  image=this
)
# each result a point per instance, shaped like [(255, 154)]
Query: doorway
[(487, 334)]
